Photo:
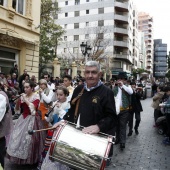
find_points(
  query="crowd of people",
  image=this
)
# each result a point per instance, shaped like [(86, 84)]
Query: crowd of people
[(161, 105), (87, 101)]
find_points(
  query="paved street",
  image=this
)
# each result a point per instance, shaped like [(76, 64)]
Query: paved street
[(143, 151)]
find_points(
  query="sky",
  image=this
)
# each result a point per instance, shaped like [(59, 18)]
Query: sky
[(160, 10)]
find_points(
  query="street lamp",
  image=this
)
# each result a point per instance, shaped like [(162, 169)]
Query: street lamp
[(86, 50)]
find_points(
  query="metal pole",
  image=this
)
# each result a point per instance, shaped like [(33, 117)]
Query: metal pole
[(86, 58)]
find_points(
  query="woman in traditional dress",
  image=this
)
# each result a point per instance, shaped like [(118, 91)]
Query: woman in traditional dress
[(24, 148)]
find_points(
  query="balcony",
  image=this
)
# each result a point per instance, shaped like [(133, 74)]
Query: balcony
[(124, 57), (149, 60), (150, 24), (121, 6), (121, 43), (149, 50), (121, 17), (120, 30), (149, 64)]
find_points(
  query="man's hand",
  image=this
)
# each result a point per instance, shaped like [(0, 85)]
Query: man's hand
[(91, 129)]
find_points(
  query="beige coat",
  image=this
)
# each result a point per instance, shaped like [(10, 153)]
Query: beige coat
[(156, 100)]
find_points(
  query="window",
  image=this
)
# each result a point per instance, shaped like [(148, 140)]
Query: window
[(66, 14), (66, 2), (65, 38), (65, 50), (76, 13), (101, 23), (87, 11), (76, 25), (87, 24), (86, 36), (77, 2), (87, 0), (65, 26), (100, 36), (100, 10), (76, 37), (19, 6), (2, 2), (75, 50)]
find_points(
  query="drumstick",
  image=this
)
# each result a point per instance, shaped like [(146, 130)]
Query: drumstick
[(30, 132)]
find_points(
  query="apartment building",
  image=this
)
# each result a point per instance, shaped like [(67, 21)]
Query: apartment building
[(135, 46), (19, 36), (142, 50), (160, 59), (145, 24), (110, 21)]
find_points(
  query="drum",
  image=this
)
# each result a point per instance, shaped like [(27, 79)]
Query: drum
[(80, 151)]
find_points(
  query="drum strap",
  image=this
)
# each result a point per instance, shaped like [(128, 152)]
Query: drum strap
[(77, 104)]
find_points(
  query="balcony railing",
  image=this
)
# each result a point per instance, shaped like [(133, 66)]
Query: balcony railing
[(121, 5), (120, 17), (121, 30), (121, 43), (123, 56)]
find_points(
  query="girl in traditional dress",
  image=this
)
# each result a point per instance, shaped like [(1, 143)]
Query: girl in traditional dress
[(24, 148), (61, 106)]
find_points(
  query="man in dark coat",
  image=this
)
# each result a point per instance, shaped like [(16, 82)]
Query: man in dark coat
[(136, 109), (96, 110)]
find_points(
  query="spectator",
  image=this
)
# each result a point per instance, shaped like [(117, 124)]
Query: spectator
[(14, 70)]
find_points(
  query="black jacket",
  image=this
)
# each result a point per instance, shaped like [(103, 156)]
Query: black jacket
[(135, 100), (96, 107)]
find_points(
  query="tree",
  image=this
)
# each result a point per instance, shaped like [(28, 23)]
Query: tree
[(50, 33)]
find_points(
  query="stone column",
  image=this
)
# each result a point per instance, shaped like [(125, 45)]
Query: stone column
[(104, 74), (29, 9), (56, 65), (74, 69)]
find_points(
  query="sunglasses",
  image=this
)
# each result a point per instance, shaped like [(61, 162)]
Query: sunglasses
[(45, 77)]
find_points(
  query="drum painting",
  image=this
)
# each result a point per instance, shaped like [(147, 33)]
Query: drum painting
[(78, 150)]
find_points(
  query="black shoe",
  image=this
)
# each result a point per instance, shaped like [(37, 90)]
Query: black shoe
[(136, 131), (108, 162), (117, 141), (122, 145), (130, 133)]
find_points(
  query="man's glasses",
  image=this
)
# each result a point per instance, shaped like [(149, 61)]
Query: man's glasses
[(45, 77)]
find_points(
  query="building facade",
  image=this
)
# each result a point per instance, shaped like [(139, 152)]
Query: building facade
[(142, 50), (145, 24), (19, 35), (160, 59), (107, 22)]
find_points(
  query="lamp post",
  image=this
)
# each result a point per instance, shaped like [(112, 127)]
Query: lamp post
[(86, 50)]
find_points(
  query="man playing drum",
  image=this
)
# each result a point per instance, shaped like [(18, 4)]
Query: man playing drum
[(93, 104)]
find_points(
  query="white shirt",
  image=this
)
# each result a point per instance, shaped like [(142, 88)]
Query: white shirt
[(46, 98), (128, 89)]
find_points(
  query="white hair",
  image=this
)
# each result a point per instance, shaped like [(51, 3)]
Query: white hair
[(93, 64)]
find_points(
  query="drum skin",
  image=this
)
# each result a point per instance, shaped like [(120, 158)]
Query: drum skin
[(81, 151)]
